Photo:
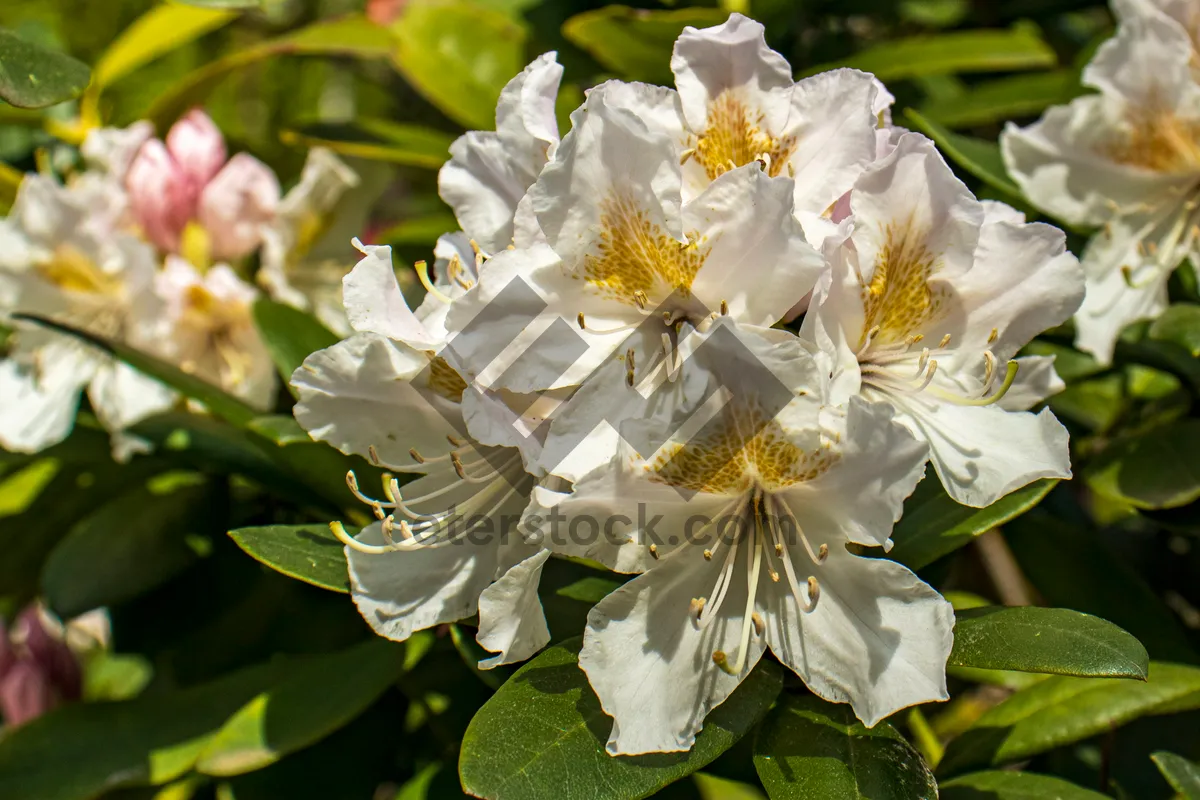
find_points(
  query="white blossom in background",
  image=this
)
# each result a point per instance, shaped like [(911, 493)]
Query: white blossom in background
[(489, 172), (746, 549), (291, 271), (61, 258), (1127, 160), (445, 545), (925, 307), (208, 329)]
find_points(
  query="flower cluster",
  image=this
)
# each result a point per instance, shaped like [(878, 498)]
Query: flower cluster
[(151, 246), (601, 368), (1126, 160)]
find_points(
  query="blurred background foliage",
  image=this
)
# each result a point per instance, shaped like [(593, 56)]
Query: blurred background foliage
[(238, 682)]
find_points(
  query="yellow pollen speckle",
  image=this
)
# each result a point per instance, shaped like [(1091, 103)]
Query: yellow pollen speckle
[(898, 298), (444, 381), (1156, 140), (636, 260), (735, 136), (72, 271), (730, 461)]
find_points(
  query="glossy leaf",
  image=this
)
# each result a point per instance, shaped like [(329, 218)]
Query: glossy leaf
[(458, 56), (949, 53), (1057, 641), (34, 77), (809, 748), (1183, 775), (1061, 710), (316, 698), (1155, 470), (290, 335), (1003, 99), (217, 401), (933, 525), (310, 553), (156, 33), (636, 43), (350, 36), (1179, 324), (544, 729), (134, 543), (979, 157), (1005, 785), (409, 145)]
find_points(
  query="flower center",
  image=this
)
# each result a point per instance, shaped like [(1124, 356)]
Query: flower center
[(1156, 140), (898, 299), (735, 137), (72, 271), (220, 324)]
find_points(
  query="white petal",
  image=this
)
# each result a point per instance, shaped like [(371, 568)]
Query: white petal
[(525, 118), (511, 621), (479, 184), (357, 394), (374, 303), (1036, 380), (35, 414), (981, 453), (1147, 63), (121, 396), (651, 667), (878, 638)]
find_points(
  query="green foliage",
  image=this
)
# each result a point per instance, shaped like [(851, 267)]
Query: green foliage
[(34, 77), (1183, 775), (306, 552), (634, 43), (1013, 786)]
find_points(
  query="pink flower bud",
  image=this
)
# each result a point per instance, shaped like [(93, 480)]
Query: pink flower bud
[(7, 656), (161, 197), (237, 204), (198, 147), (25, 693), (51, 654)]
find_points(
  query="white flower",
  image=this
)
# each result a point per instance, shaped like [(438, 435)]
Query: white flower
[(208, 329), (741, 529), (61, 258), (445, 545), (1127, 159), (927, 301), (490, 171), (291, 271)]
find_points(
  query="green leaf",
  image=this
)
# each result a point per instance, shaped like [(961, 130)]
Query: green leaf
[(376, 140), (1007, 785), (933, 525), (544, 729), (290, 335), (979, 157), (10, 182), (223, 3), (34, 77), (115, 676), (1183, 775), (1061, 710), (1004, 99), (310, 553), (1179, 324), (634, 43), (315, 699), (1057, 641), (809, 748), (157, 32), (220, 403), (1155, 470), (948, 53), (282, 429), (590, 590), (458, 56), (131, 545), (351, 36), (151, 740)]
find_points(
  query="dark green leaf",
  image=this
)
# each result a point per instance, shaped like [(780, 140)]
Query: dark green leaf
[(315, 699), (291, 335), (1003, 99), (459, 56), (979, 157), (636, 43), (933, 525), (217, 401), (1057, 641), (1183, 775), (1155, 470), (589, 590), (948, 53), (133, 544), (1061, 710), (419, 230), (542, 735), (34, 77), (310, 553), (1179, 324), (808, 748), (282, 429), (1006, 785)]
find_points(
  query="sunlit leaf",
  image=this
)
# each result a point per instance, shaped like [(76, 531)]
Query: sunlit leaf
[(636, 43), (1004, 99), (1154, 470), (998, 785), (1179, 324), (156, 33), (979, 157), (1183, 775), (34, 77), (310, 553), (410, 145), (290, 335)]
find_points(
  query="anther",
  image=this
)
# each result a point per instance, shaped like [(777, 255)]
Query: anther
[(994, 335), (708, 555), (640, 298), (759, 625), (373, 455), (686, 155), (417, 457), (654, 551), (454, 442), (779, 548), (814, 593), (458, 466), (697, 606), (582, 323), (724, 308), (945, 341), (822, 553)]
